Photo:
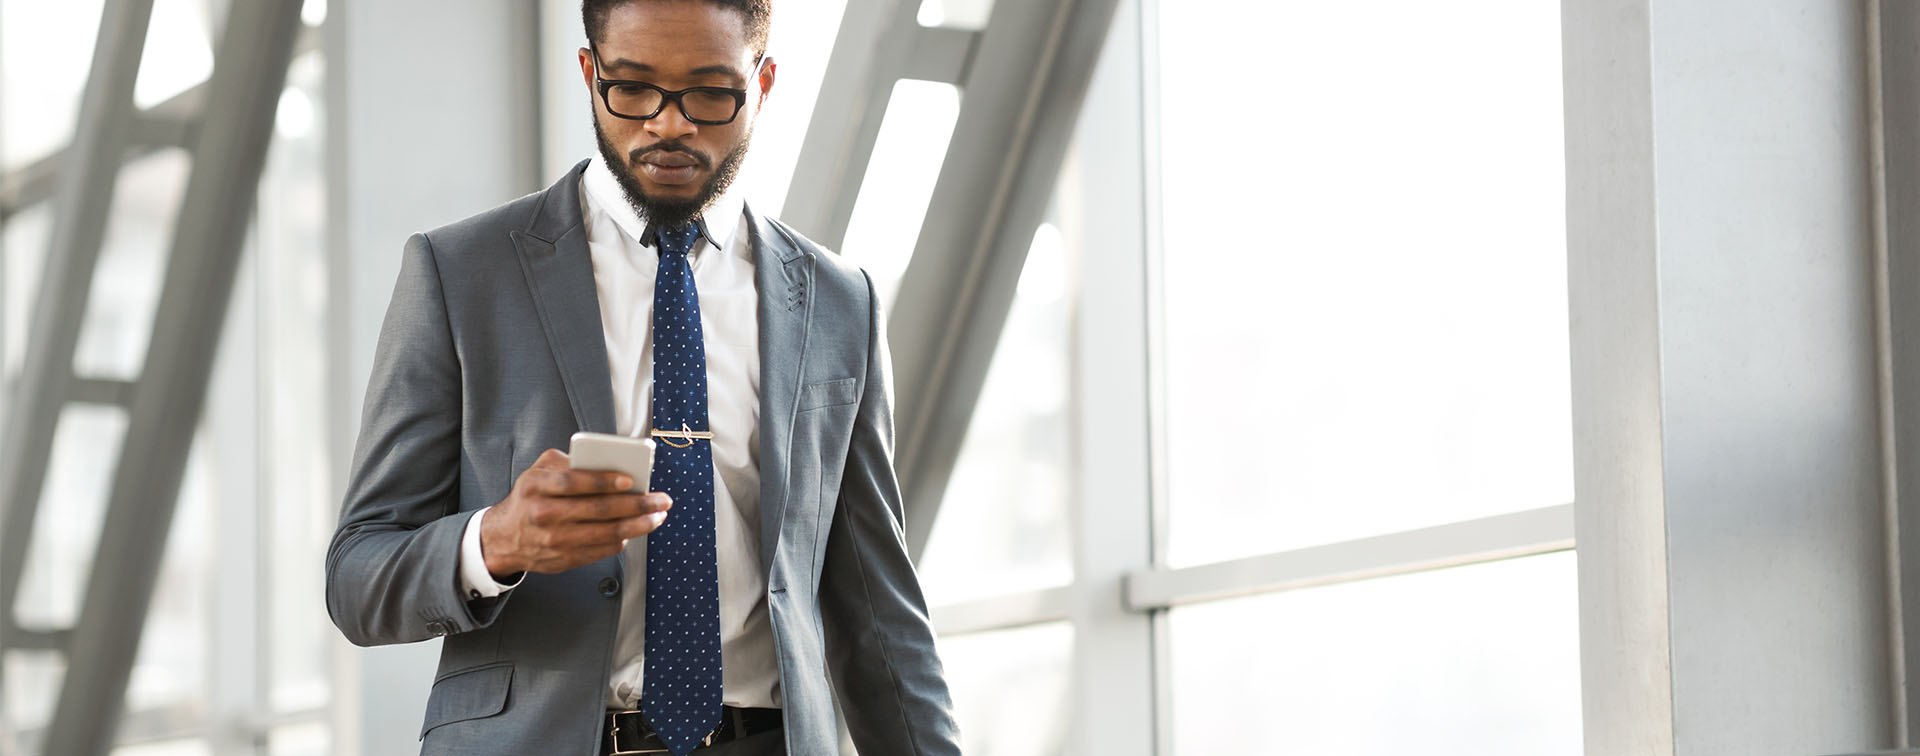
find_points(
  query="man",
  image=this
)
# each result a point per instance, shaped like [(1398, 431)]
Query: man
[(638, 296)]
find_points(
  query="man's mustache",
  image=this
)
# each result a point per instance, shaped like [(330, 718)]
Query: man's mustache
[(634, 157)]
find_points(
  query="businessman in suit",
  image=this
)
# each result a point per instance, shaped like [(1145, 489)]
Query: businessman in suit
[(638, 296)]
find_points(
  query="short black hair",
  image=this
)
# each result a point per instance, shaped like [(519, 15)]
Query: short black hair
[(758, 14)]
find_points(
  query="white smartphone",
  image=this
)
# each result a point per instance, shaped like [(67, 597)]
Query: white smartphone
[(610, 452)]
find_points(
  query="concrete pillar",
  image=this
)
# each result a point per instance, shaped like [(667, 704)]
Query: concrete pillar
[(435, 117), (1733, 567)]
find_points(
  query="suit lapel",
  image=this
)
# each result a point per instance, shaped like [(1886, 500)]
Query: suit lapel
[(559, 270), (783, 274)]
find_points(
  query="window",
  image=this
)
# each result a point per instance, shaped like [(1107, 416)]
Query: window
[(1364, 318), (899, 181), (1010, 689), (1364, 269), (235, 596), (1474, 660), (1002, 526)]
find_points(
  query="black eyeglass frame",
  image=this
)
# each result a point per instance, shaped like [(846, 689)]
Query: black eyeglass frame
[(669, 95)]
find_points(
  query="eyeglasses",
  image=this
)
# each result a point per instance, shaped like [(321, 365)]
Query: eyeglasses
[(640, 101)]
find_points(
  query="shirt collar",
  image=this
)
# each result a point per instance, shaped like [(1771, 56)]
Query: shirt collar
[(603, 194)]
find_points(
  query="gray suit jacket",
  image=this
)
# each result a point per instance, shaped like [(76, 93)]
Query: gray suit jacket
[(492, 352)]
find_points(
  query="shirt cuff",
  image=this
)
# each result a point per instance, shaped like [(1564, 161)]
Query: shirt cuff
[(475, 581)]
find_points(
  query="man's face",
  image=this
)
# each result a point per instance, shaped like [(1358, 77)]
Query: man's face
[(671, 167)]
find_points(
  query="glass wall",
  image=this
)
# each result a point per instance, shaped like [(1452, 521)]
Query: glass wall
[(1469, 661), (1003, 526), (1356, 321), (235, 632), (1365, 283), (1355, 249), (1363, 276), (801, 41), (1010, 689)]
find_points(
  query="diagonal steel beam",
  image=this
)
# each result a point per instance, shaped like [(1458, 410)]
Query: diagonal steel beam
[(169, 123), (92, 166), (1023, 99), (869, 55), (1025, 78), (250, 71)]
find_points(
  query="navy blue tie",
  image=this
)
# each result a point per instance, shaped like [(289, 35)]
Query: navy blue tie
[(681, 693)]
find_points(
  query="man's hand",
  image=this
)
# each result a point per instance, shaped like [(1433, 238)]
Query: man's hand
[(557, 518)]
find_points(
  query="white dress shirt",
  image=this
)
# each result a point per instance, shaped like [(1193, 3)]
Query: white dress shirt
[(623, 272)]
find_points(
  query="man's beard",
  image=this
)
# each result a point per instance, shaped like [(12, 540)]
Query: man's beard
[(663, 212)]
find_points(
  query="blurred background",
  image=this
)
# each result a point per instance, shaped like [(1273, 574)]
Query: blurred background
[(1258, 360)]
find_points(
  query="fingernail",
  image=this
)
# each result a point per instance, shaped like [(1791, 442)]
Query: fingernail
[(658, 517), (623, 482)]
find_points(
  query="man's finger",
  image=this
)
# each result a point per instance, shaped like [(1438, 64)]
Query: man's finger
[(601, 507), (585, 536), (624, 506), (607, 507), (583, 483), (640, 526)]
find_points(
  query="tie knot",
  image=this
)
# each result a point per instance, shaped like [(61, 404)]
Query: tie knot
[(679, 241)]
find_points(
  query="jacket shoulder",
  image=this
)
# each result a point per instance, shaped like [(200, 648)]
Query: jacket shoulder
[(492, 227), (830, 266)]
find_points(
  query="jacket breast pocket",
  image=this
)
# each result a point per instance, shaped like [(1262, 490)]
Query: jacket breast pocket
[(468, 694), (827, 394)]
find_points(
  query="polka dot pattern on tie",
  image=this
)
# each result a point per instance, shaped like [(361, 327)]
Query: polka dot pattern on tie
[(680, 695)]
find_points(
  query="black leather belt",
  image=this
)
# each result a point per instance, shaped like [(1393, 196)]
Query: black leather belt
[(628, 734)]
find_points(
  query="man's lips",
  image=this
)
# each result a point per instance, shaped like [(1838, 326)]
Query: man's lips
[(670, 160), (670, 167)]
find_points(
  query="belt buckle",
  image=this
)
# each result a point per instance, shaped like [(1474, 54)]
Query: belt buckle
[(613, 724)]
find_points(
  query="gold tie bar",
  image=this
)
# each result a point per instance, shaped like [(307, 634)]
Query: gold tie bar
[(685, 434)]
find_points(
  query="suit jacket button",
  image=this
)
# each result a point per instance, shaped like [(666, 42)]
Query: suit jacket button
[(437, 628), (609, 587)]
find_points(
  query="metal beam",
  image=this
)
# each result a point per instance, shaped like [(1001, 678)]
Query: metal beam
[(1003, 612), (158, 131), (101, 391), (1898, 96), (169, 123), (1022, 102), (1112, 690), (942, 54), (39, 640), (249, 74), (178, 722), (1885, 753), (171, 722), (1538, 531), (30, 183), (90, 170), (873, 47)]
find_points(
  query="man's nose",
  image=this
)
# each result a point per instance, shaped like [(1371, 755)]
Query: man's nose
[(671, 123)]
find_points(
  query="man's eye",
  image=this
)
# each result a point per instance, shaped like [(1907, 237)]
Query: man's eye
[(630, 90)]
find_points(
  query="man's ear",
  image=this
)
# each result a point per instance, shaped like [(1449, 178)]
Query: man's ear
[(586, 67), (767, 71)]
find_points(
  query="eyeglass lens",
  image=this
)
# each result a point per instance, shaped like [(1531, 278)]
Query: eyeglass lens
[(699, 105)]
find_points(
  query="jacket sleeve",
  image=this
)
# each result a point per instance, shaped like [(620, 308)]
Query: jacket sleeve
[(879, 637), (393, 565)]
